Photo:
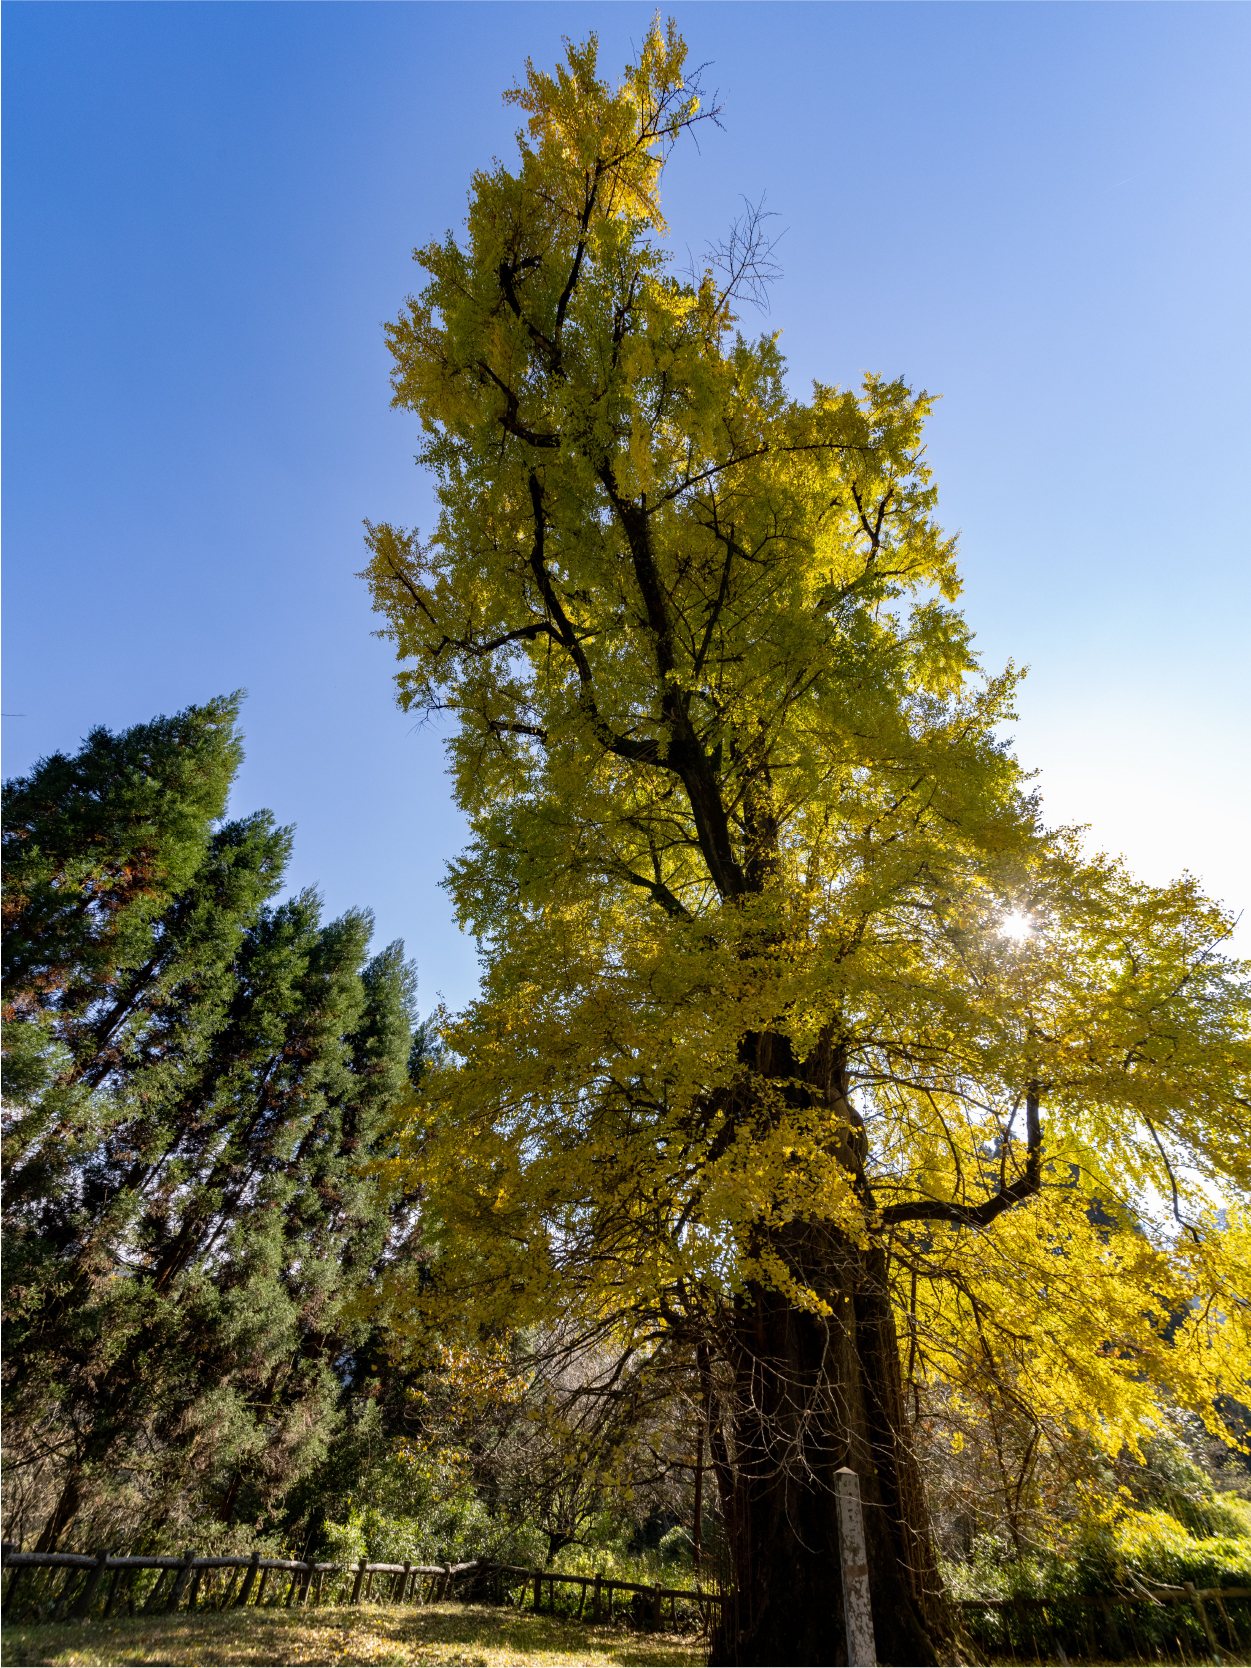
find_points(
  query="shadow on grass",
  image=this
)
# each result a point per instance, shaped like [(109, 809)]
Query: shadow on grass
[(449, 1634)]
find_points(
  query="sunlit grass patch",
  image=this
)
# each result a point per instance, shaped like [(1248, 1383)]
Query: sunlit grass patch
[(451, 1634)]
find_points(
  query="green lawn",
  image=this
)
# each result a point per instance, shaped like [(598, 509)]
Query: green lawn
[(435, 1633)]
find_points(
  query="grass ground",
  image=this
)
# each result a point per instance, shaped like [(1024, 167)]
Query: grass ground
[(450, 1634), (437, 1633)]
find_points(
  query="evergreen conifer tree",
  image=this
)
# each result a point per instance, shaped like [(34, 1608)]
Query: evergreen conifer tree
[(199, 1082)]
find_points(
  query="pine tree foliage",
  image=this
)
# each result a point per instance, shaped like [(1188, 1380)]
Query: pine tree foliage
[(746, 844), (205, 1080)]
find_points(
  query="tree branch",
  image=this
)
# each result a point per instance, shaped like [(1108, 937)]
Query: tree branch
[(510, 420), (981, 1216), (1172, 1181), (638, 752), (672, 906), (686, 753), (499, 726), (523, 634), (506, 272), (562, 305)]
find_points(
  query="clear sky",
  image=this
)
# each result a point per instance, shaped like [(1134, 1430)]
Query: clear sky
[(1038, 211)]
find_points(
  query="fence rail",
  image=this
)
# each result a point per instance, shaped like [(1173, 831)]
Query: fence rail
[(164, 1561)]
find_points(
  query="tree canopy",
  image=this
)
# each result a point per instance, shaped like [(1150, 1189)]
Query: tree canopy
[(747, 841)]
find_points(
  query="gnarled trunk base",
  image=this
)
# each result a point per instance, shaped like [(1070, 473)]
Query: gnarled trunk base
[(813, 1393)]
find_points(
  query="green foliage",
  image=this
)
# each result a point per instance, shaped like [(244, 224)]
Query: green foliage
[(458, 1529), (1171, 1481), (1154, 1546), (425, 1509), (615, 1554), (96, 845), (207, 1079), (1106, 1525), (119, 901)]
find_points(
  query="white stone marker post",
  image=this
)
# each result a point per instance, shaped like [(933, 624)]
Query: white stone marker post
[(861, 1652)]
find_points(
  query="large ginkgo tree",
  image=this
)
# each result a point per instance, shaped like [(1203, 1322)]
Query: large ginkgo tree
[(806, 1058)]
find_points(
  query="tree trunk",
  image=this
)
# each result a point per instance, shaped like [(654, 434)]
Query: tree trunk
[(227, 1509), (556, 1542), (705, 1417), (63, 1514), (813, 1393), (697, 1524)]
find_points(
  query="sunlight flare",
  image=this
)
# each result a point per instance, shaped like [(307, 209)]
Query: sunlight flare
[(1016, 926)]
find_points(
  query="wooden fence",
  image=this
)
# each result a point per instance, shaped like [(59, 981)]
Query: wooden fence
[(203, 1583), (1008, 1626), (603, 1593)]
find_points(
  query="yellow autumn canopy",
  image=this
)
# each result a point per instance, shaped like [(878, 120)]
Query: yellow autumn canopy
[(740, 806)]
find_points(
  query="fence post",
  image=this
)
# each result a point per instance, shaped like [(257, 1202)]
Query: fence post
[(83, 1602), (408, 1565), (538, 1592), (359, 1582), (249, 1580), (184, 1575), (656, 1608), (854, 1561), (193, 1597)]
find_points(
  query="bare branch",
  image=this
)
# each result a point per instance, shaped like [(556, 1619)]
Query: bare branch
[(1172, 1181), (745, 259)]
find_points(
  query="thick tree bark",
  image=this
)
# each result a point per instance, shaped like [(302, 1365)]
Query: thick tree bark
[(813, 1393)]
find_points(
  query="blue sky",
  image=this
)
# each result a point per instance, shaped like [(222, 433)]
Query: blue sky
[(1038, 211)]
